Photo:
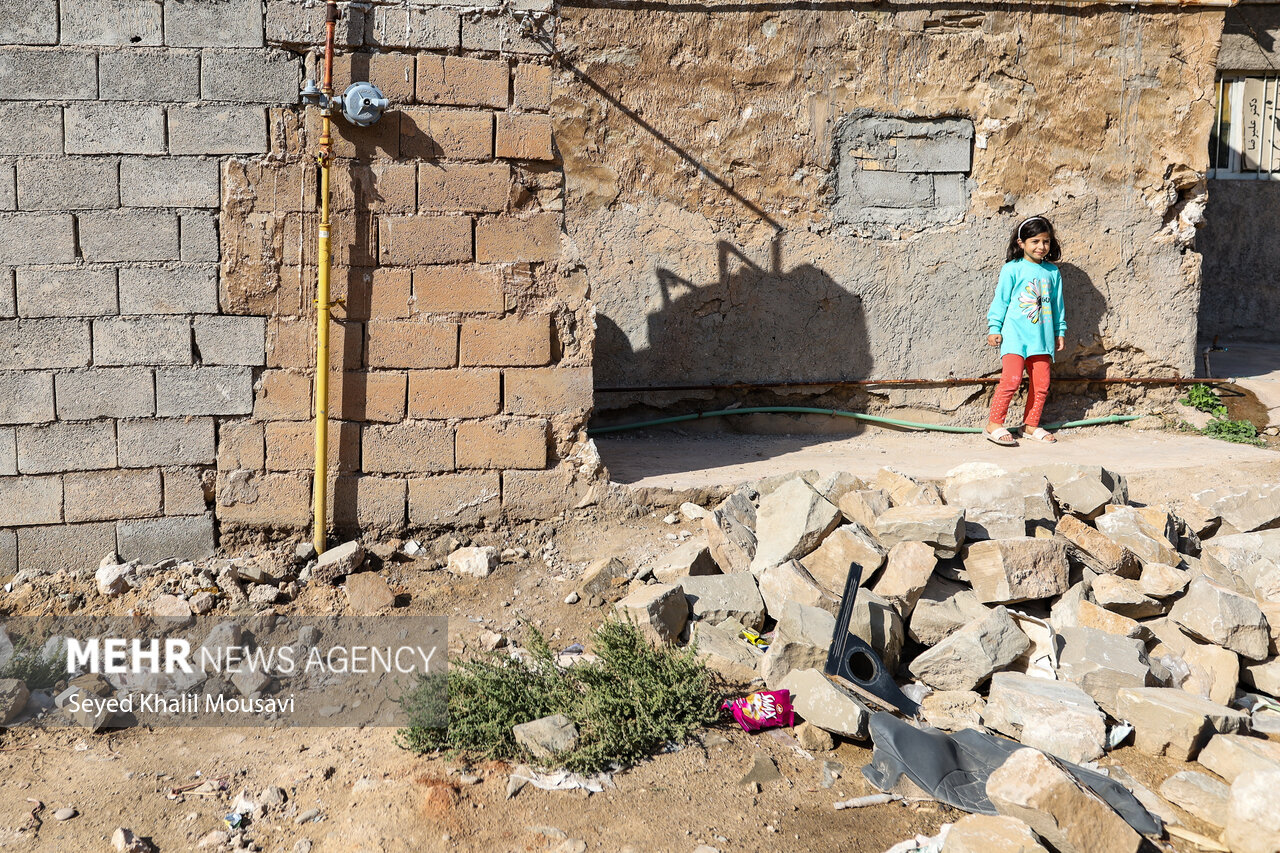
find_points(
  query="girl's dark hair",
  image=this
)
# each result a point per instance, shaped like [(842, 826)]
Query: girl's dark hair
[(1029, 228)]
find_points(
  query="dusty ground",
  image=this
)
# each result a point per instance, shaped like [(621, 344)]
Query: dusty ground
[(371, 795)]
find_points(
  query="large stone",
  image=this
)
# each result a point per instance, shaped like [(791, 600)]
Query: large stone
[(723, 650), (1102, 664), (837, 484), (902, 488), (825, 705), (603, 577), (1211, 671), (939, 526), (1055, 716), (476, 562), (732, 543), (1263, 676), (1229, 755), (1002, 506), (907, 572), (1198, 794), (829, 564), (1243, 555), (1096, 550), (792, 520), (1090, 615), (981, 833), (864, 506), (1022, 569), (1124, 596), (13, 698), (169, 611), (1159, 580), (943, 608), (801, 640), (1083, 496), (1253, 821), (687, 560), (367, 592), (660, 610), (1172, 722), (718, 597), (740, 506), (1218, 615), (1031, 787), (968, 657), (1125, 526), (876, 620), (790, 581), (1246, 509), (1059, 474), (547, 737), (952, 710), (339, 561)]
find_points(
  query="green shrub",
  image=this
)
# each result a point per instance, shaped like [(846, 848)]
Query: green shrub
[(31, 667), (1239, 432)]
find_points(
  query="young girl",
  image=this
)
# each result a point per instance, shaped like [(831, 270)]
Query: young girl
[(1027, 322)]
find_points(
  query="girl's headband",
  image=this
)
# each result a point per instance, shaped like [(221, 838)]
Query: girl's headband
[(1028, 220)]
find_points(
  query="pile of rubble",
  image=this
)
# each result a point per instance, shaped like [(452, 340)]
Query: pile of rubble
[(1041, 605)]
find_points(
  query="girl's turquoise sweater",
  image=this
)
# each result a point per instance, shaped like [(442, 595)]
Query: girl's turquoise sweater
[(1027, 308)]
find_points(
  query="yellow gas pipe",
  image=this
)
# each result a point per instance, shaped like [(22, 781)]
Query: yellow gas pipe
[(320, 492)]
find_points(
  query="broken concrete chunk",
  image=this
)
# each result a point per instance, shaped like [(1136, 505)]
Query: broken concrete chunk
[(981, 833), (1055, 716), (1172, 722), (907, 572), (660, 610), (1023, 569), (952, 710), (939, 526), (1096, 550), (339, 561), (943, 608), (474, 562), (1125, 526), (825, 705), (1029, 786), (1218, 615), (792, 520), (967, 657), (1253, 821), (1101, 664), (732, 543), (547, 737), (864, 506), (599, 577), (852, 543), (1082, 496), (718, 597), (691, 558), (790, 581), (1159, 580), (1229, 755), (1198, 794), (1124, 596)]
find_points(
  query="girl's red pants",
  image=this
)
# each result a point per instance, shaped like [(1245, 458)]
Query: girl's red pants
[(1011, 367)]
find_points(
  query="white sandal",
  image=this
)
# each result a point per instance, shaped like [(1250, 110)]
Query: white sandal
[(1043, 436), (1000, 436)]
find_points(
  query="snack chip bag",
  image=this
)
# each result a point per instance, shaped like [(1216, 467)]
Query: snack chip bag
[(762, 709)]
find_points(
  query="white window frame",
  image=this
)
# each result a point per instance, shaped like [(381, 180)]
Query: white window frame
[(1267, 133)]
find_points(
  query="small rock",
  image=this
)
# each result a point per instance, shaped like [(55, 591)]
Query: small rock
[(250, 681), (943, 608), (547, 737), (762, 771), (722, 651), (692, 511), (273, 796), (813, 738), (1230, 755), (864, 506), (252, 573), (571, 598), (831, 771), (852, 543), (1201, 795), (733, 543), (125, 841), (1161, 581), (169, 611), (1123, 596), (691, 558), (598, 579), (202, 602), (476, 562), (492, 640), (1097, 551), (65, 813), (718, 597), (1125, 526), (1211, 671), (825, 705), (303, 553), (263, 594), (1253, 821), (790, 581), (1263, 677), (338, 562), (670, 518), (367, 592), (953, 710), (214, 838), (1084, 496), (112, 579)]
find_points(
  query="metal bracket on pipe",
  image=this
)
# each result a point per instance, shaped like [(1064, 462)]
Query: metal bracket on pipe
[(854, 665)]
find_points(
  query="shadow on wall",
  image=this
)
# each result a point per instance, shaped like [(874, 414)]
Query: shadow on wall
[(1239, 292)]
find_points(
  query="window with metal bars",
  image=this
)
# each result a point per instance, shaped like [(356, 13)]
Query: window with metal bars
[(1245, 141)]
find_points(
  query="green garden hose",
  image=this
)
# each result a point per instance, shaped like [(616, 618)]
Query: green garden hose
[(875, 419)]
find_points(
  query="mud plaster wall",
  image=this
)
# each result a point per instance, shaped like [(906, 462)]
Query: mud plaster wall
[(699, 156), (1241, 293)]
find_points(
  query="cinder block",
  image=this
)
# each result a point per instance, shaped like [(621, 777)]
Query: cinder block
[(43, 344), (58, 447), (941, 154), (470, 187), (29, 22), (502, 444), (381, 140), (443, 394), (169, 290), (149, 75), (67, 547), (449, 500), (104, 128), (149, 443), (129, 235), (367, 503), (27, 397), (204, 391), (35, 74), (38, 238), (8, 451), (8, 296), (376, 187), (8, 552), (199, 238), (30, 500), (532, 87), (506, 239), (503, 33), (433, 29), (950, 191), (384, 293), (378, 397), (106, 392), (184, 492), (463, 289), (155, 539), (547, 391), (297, 22), (247, 499), (110, 495), (169, 182), (30, 128), (75, 292), (204, 23), (268, 187), (126, 341), (69, 183), (463, 82), (523, 137), (892, 189), (241, 444), (401, 344), (8, 188), (508, 342), (283, 395), (122, 22), (291, 446), (407, 448), (218, 129), (417, 240), (250, 76), (392, 73), (452, 134), (222, 340)]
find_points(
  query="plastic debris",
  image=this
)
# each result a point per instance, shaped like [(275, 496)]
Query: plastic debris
[(1116, 734), (560, 780), (869, 800), (922, 843), (763, 709), (760, 641)]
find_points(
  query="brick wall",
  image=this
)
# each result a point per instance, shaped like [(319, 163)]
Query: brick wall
[(158, 212)]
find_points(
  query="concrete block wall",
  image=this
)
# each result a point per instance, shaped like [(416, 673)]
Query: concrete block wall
[(158, 214)]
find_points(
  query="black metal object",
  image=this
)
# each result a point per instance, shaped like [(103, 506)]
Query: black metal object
[(853, 664)]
